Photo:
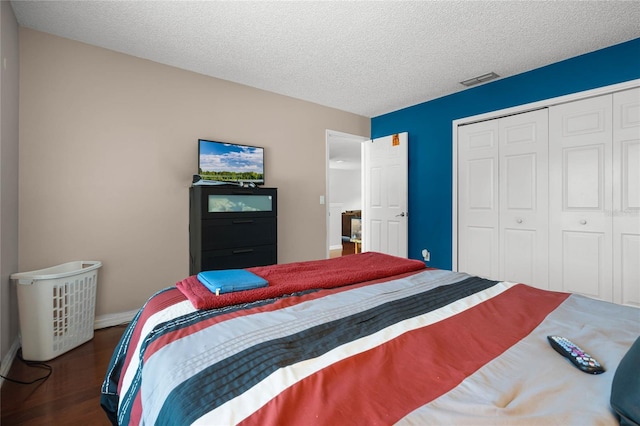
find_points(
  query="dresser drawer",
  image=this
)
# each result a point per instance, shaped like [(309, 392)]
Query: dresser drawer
[(239, 258), (241, 232)]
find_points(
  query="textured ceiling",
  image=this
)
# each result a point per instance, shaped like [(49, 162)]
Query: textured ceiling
[(364, 57)]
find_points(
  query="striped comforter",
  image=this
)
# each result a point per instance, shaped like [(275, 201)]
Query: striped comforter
[(428, 347)]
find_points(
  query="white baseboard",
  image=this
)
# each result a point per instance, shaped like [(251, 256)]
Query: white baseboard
[(110, 320), (7, 361)]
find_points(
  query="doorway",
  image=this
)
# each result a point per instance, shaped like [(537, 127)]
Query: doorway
[(343, 186)]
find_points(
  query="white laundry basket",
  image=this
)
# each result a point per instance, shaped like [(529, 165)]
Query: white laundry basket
[(57, 308)]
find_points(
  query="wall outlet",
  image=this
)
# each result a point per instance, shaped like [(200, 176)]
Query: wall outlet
[(426, 255)]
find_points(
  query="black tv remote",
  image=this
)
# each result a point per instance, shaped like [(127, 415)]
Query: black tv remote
[(577, 356)]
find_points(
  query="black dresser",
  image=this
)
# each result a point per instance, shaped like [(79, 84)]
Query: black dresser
[(232, 227)]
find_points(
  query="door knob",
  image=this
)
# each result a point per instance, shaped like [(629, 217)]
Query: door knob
[(518, 220), (583, 222), (402, 214)]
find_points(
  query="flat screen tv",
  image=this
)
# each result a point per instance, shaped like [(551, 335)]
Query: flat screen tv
[(230, 162)]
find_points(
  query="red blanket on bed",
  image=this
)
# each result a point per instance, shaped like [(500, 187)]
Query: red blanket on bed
[(299, 276)]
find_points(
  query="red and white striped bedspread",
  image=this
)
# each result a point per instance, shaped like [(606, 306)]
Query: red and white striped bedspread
[(432, 347)]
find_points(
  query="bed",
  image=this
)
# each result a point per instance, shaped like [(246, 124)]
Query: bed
[(375, 340)]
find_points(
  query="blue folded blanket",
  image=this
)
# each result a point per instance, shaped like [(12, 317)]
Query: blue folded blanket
[(228, 280)]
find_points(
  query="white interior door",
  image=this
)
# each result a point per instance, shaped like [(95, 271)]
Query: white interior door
[(385, 195), (626, 197), (478, 207), (580, 197), (524, 170), (502, 198)]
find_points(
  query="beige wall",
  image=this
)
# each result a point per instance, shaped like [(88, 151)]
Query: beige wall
[(108, 145), (9, 78)]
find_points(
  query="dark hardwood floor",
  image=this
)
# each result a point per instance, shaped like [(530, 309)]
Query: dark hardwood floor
[(71, 395)]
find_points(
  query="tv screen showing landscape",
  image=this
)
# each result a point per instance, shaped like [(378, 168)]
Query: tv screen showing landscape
[(230, 162)]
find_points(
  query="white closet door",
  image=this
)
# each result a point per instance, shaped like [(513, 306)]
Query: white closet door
[(524, 142), (626, 197), (478, 209), (580, 197)]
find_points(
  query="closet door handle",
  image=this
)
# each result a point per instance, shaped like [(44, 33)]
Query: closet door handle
[(583, 222), (518, 220)]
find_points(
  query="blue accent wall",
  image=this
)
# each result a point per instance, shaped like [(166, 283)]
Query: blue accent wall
[(430, 132)]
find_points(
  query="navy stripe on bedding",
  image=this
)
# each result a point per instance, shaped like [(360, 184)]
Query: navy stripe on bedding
[(232, 376), (181, 322)]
